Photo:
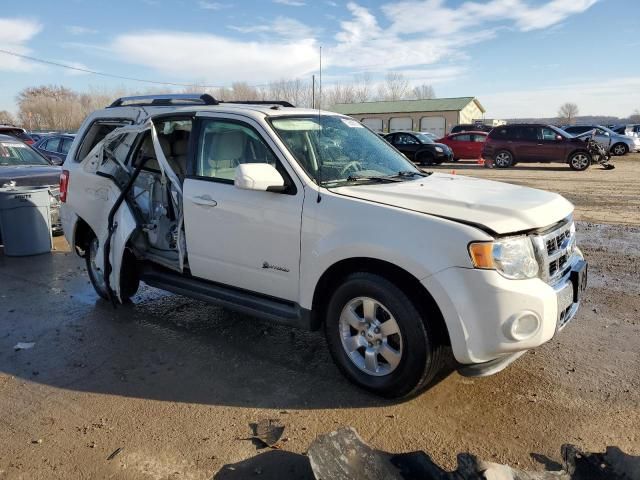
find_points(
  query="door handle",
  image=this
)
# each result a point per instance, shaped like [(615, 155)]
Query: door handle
[(204, 200)]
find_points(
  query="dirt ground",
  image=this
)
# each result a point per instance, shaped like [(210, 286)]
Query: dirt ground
[(175, 383)]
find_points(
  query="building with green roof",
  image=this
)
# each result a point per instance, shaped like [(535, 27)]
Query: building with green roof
[(436, 115)]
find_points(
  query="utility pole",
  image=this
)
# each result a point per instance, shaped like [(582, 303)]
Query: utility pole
[(313, 91)]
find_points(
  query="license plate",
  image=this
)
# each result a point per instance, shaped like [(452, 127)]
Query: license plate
[(579, 279)]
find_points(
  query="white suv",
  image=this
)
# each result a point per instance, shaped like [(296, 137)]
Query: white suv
[(310, 219)]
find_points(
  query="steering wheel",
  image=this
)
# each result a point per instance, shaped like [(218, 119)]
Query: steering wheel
[(353, 166)]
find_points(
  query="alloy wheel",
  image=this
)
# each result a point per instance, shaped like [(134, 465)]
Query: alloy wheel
[(580, 161), (619, 150), (370, 336), (503, 160)]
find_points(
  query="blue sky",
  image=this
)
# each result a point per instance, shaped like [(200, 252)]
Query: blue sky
[(519, 57)]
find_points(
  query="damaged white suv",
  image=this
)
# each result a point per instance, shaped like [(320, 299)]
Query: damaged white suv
[(310, 219)]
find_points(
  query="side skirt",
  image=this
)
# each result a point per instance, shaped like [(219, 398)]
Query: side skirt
[(242, 301)]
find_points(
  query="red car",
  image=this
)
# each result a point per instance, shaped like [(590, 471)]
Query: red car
[(465, 144)]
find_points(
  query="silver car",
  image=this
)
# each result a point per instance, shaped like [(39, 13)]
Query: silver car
[(614, 142)]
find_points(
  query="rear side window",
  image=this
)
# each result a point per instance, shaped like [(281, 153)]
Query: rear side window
[(96, 133), (66, 145), (500, 133), (52, 144), (462, 138), (478, 138)]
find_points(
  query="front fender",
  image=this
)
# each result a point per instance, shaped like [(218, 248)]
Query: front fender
[(340, 228)]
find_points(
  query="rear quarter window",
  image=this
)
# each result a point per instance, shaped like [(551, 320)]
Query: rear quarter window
[(95, 133), (500, 133)]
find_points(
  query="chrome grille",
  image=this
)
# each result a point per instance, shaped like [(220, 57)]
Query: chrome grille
[(554, 250)]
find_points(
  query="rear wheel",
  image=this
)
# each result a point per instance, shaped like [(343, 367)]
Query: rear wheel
[(129, 280), (379, 339), (619, 149), (503, 159), (579, 161)]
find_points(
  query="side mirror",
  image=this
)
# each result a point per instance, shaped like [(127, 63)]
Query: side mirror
[(262, 177), (57, 161), (559, 138)]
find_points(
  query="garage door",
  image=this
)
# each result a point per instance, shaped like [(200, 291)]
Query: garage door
[(374, 124), (401, 123), (433, 125)]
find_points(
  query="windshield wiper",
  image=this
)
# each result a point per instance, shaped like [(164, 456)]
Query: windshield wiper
[(358, 178), (410, 173)]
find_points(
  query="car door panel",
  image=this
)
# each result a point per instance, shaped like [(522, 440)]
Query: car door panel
[(242, 238)]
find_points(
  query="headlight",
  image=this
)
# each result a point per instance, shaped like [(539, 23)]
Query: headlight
[(439, 149), (513, 257)]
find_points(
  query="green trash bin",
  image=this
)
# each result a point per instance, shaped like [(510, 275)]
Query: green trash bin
[(25, 220)]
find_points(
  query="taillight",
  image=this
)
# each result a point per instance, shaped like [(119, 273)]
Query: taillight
[(64, 185)]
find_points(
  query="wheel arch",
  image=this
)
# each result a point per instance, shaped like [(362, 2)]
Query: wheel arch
[(577, 150), (496, 151), (627, 149), (82, 234), (403, 279)]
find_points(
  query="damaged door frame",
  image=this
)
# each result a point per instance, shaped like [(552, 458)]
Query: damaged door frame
[(118, 218)]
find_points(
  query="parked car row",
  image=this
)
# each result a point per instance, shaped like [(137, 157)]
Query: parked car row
[(507, 145), (22, 165)]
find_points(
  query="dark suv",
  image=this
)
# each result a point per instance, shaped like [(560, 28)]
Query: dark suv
[(508, 145)]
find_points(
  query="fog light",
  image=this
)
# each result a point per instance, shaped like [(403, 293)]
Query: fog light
[(523, 326)]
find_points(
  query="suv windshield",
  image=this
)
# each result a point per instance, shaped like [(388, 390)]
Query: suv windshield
[(17, 154), (335, 149)]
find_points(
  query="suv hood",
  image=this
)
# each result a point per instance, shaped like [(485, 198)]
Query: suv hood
[(32, 176), (501, 207)]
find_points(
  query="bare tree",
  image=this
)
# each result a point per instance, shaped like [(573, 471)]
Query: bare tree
[(363, 87), (395, 87), (635, 116), (6, 118), (423, 92), (568, 112)]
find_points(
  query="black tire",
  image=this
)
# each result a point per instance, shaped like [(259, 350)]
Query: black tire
[(503, 159), (421, 355), (579, 161), (425, 158), (619, 149), (129, 279)]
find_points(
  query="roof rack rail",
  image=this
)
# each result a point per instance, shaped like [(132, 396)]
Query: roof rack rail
[(282, 103), (165, 100)]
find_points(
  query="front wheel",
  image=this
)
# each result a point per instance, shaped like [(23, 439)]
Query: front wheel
[(503, 159), (424, 159), (579, 161), (379, 339)]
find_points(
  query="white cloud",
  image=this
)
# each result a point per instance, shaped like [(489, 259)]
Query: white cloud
[(79, 30), (425, 32), (423, 38), (434, 17), (283, 27), (191, 56), (290, 3), (207, 5), (14, 34)]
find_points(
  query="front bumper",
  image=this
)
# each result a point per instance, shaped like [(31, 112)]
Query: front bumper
[(480, 308)]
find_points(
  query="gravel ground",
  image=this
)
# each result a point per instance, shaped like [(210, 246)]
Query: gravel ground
[(175, 383)]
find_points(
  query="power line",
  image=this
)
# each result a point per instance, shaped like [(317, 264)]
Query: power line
[(111, 75)]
